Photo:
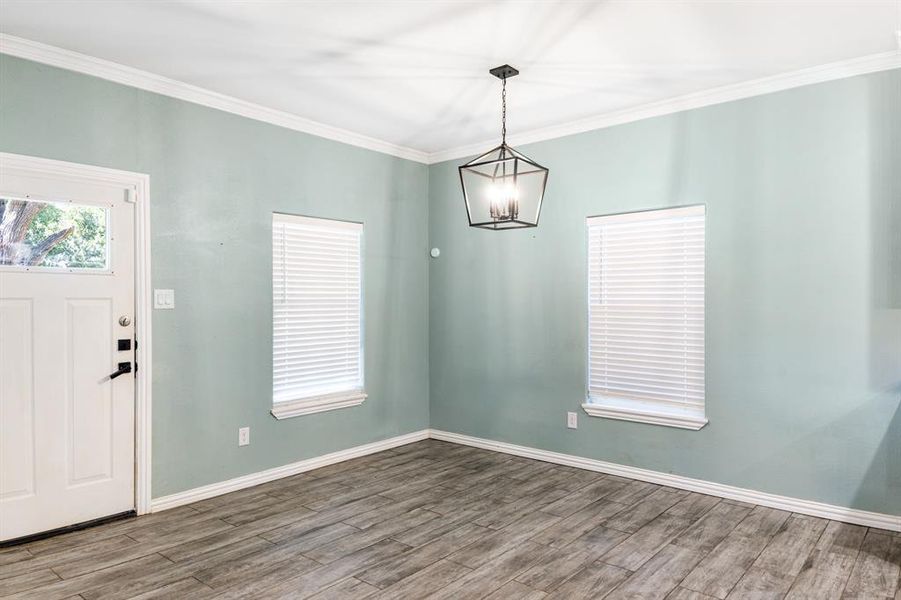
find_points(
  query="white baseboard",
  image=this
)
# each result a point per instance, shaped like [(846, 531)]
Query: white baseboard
[(806, 507), (245, 481)]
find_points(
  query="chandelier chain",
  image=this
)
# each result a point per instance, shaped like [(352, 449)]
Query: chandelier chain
[(504, 111)]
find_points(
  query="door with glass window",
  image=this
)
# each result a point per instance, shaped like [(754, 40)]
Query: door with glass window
[(67, 385)]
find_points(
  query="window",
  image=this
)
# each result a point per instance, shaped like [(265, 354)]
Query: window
[(317, 310), (53, 235), (646, 317)]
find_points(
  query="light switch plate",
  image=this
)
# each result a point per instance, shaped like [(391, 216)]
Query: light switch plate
[(244, 436), (164, 299), (572, 420)]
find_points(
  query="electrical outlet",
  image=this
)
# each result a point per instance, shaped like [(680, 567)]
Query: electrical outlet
[(244, 436), (572, 420)]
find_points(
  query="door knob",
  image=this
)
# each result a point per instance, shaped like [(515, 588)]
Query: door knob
[(124, 367), (124, 321)]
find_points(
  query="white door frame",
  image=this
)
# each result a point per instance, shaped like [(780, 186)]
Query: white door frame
[(139, 183)]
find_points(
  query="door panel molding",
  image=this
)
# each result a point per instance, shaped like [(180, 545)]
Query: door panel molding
[(138, 185), (17, 451), (89, 318)]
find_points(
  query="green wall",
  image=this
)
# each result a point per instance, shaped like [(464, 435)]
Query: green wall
[(215, 179), (803, 195), (803, 305)]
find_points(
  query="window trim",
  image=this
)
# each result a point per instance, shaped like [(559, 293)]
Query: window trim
[(628, 409), (653, 414), (308, 406), (286, 409)]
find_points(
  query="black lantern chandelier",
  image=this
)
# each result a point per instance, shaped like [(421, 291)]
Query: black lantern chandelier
[(502, 188)]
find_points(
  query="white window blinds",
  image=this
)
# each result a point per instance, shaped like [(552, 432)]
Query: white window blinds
[(317, 308), (646, 311)]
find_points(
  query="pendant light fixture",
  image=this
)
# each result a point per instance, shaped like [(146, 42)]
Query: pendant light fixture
[(502, 188)]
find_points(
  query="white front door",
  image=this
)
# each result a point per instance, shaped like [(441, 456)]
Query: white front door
[(66, 302)]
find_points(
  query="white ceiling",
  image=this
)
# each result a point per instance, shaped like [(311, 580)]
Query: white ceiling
[(414, 73)]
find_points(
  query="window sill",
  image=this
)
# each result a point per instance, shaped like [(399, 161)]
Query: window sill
[(642, 412), (308, 406)]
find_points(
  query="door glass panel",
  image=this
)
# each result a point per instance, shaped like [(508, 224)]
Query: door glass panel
[(51, 235)]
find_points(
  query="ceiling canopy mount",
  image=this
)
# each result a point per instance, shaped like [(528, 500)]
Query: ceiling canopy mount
[(504, 72)]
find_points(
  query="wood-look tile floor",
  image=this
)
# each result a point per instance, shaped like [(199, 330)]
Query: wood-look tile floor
[(437, 520)]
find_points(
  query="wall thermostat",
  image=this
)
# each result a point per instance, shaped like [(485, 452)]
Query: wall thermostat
[(435, 252)]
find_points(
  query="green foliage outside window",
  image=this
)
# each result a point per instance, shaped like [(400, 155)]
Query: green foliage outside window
[(52, 235), (84, 249)]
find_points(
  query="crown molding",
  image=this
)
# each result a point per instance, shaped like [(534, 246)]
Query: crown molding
[(118, 73), (111, 71), (756, 87)]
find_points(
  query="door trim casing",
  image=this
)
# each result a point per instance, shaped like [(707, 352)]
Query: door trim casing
[(139, 184)]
